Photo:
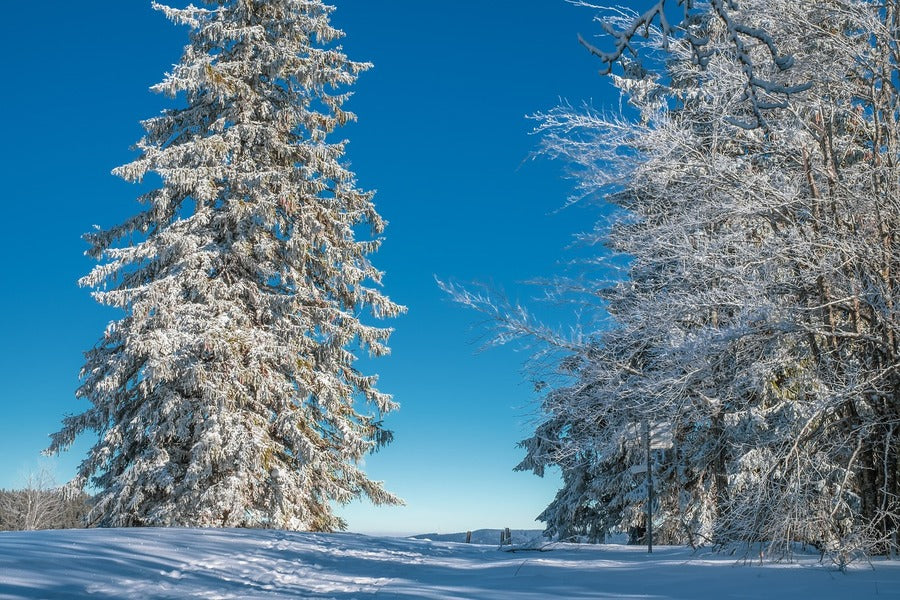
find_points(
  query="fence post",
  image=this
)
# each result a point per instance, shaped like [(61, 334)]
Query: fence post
[(649, 488)]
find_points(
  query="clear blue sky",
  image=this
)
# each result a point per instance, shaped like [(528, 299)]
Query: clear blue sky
[(442, 136)]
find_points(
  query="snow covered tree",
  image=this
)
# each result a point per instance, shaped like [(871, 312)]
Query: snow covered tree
[(833, 474), (227, 394), (41, 504), (744, 38), (755, 329), (754, 324)]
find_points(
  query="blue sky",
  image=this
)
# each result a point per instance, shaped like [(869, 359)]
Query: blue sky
[(442, 136)]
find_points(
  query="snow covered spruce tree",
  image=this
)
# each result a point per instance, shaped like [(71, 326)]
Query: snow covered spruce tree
[(227, 394)]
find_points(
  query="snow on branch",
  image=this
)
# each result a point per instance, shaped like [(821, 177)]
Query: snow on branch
[(510, 321), (626, 26)]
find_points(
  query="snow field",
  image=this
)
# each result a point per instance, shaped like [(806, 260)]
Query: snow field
[(250, 564)]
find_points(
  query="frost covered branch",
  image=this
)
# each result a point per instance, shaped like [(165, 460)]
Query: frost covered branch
[(625, 28)]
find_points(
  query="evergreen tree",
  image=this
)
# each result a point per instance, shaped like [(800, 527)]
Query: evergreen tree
[(227, 394)]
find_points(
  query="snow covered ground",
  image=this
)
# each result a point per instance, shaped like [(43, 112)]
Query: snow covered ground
[(248, 564), (488, 537)]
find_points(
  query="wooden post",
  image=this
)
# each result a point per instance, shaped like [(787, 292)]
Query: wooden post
[(468, 537), (649, 488)]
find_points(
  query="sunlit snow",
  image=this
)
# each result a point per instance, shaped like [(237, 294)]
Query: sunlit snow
[(248, 564)]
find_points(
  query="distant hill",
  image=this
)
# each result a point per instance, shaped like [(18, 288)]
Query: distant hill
[(487, 536)]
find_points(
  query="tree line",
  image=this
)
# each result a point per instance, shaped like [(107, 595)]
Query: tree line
[(42, 505), (745, 286)]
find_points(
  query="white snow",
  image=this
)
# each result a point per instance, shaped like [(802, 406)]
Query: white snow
[(487, 537), (248, 564)]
